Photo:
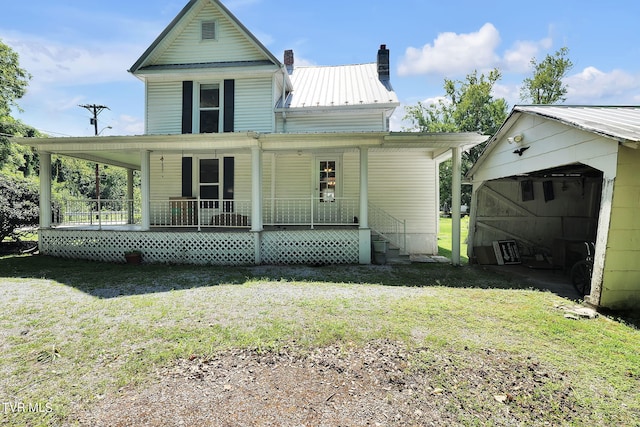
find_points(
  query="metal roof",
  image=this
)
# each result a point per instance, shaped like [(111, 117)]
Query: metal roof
[(340, 86), (621, 123)]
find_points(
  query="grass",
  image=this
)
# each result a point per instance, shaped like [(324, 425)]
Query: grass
[(74, 331), (444, 238)]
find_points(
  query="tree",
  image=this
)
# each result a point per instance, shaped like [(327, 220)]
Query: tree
[(545, 86), (13, 79), (468, 106), (18, 205)]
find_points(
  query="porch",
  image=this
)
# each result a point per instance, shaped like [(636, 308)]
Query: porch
[(205, 231), (252, 176)]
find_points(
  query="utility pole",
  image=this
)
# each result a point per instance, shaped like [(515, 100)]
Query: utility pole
[(96, 110)]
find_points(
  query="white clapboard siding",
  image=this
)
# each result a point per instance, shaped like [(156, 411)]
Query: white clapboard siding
[(351, 175), (325, 122), (242, 176), (166, 176), (253, 105), (164, 108), (403, 185), (293, 175), (188, 48), (550, 144)]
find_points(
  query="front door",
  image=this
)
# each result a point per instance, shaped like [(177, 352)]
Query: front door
[(327, 186)]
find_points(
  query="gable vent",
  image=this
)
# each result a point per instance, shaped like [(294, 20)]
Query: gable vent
[(209, 30)]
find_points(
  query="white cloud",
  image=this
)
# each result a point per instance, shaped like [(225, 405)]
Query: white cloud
[(53, 63), (518, 58), (453, 53), (593, 86)]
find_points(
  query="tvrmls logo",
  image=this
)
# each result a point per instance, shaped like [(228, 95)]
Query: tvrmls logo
[(22, 407)]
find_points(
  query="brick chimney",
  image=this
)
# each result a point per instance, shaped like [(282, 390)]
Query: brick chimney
[(288, 60), (383, 63)]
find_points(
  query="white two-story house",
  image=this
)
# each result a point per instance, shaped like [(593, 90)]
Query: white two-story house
[(249, 159)]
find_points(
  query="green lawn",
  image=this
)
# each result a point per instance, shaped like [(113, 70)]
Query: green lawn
[(444, 238), (73, 331)]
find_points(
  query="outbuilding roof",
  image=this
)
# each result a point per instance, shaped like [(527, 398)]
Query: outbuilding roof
[(617, 122), (339, 86), (620, 123)]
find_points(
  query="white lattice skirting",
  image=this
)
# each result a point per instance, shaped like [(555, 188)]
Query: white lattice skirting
[(236, 248)]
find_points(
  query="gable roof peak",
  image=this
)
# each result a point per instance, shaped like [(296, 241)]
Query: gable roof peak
[(169, 32)]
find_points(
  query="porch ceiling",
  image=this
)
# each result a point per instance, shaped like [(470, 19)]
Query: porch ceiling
[(125, 151)]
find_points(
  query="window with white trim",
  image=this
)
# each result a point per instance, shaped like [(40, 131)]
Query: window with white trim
[(209, 108)]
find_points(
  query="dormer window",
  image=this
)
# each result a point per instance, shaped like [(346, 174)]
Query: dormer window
[(209, 30)]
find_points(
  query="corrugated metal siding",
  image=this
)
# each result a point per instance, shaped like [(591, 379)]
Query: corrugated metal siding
[(621, 279), (254, 105), (231, 44), (331, 122), (403, 185), (164, 108)]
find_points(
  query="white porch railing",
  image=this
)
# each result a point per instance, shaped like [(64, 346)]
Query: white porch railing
[(388, 227), (95, 212), (310, 211), (193, 212), (200, 213)]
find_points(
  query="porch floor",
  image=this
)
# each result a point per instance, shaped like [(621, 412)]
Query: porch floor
[(160, 229)]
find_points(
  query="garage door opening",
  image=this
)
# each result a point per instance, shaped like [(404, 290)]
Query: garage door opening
[(551, 215)]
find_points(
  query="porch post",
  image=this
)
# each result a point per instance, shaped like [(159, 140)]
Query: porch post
[(364, 232), (130, 210), (145, 189), (456, 194), (256, 200), (45, 190)]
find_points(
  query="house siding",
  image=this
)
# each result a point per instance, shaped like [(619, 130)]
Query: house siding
[(550, 144), (331, 122), (403, 184), (164, 104), (621, 278), (230, 44), (254, 107)]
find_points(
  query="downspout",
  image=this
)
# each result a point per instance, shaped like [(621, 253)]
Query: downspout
[(284, 100)]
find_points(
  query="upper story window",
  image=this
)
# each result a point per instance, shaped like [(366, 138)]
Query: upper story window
[(209, 30), (209, 108)]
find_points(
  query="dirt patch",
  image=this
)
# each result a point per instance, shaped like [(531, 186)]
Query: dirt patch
[(382, 383)]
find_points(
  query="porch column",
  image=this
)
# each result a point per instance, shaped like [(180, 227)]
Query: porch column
[(364, 232), (456, 194), (130, 206), (45, 190), (256, 201), (145, 189)]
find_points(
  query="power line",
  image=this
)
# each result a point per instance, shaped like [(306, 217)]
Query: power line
[(96, 110)]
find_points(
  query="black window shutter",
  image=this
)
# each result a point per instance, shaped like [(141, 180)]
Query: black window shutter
[(229, 105), (228, 183), (187, 177), (187, 107)]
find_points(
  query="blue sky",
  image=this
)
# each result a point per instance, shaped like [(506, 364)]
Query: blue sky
[(79, 52)]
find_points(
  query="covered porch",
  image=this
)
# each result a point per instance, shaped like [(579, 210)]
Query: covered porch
[(252, 228)]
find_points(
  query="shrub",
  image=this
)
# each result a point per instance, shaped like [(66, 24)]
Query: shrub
[(18, 205)]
